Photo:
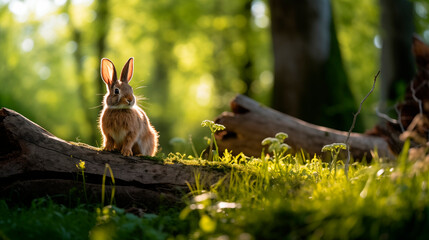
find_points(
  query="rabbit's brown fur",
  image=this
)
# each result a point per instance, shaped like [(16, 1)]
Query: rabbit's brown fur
[(124, 125)]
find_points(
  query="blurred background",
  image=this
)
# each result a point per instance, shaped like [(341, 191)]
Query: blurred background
[(191, 58)]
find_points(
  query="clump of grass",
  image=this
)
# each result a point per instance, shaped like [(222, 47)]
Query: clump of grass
[(285, 196)]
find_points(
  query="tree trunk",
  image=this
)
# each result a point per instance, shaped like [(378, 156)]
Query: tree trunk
[(249, 123), (90, 116), (102, 30), (397, 63), (309, 80), (34, 163), (246, 60)]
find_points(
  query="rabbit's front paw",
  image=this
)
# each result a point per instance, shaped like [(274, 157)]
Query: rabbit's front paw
[(127, 152), (109, 147), (109, 144)]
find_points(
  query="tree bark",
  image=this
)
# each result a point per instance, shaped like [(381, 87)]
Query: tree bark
[(245, 62), (249, 123), (397, 62), (309, 79), (34, 163)]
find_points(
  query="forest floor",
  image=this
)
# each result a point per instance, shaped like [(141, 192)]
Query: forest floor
[(276, 196)]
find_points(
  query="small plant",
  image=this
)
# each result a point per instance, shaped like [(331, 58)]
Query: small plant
[(335, 149), (105, 213), (214, 127), (276, 145), (81, 166), (103, 186)]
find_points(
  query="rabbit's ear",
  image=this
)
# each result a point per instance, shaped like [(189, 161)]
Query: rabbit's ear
[(127, 71), (108, 71)]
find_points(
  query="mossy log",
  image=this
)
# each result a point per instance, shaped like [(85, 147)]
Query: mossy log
[(35, 163), (250, 122)]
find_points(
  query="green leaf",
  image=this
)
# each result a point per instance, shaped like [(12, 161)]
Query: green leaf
[(281, 136), (334, 146), (284, 147), (268, 140)]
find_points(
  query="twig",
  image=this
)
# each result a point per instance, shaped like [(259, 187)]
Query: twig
[(399, 112), (360, 108), (413, 91), (385, 116), (346, 167)]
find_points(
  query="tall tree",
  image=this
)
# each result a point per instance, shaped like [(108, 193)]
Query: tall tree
[(102, 30), (246, 66), (309, 79), (84, 97), (397, 62)]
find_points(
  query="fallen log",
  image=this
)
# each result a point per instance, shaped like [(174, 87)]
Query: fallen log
[(250, 122), (34, 163)]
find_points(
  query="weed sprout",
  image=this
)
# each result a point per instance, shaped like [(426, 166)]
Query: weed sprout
[(214, 127), (276, 145), (81, 166), (335, 149)]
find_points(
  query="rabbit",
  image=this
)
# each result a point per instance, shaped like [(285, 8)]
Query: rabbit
[(124, 125)]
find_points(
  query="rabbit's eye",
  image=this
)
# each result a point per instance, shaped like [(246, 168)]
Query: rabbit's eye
[(116, 91)]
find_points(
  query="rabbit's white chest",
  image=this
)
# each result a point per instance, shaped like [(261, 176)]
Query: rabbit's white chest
[(118, 136)]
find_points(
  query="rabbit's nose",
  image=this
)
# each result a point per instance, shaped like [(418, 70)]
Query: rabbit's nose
[(129, 100)]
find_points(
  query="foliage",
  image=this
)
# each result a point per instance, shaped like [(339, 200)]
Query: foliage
[(190, 56), (115, 223), (287, 199), (44, 219)]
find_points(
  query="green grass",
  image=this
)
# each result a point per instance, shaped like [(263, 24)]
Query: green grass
[(47, 220), (43, 220), (289, 199), (281, 196)]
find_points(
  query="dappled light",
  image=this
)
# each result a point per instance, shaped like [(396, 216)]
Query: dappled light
[(245, 119), (259, 12), (187, 59)]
